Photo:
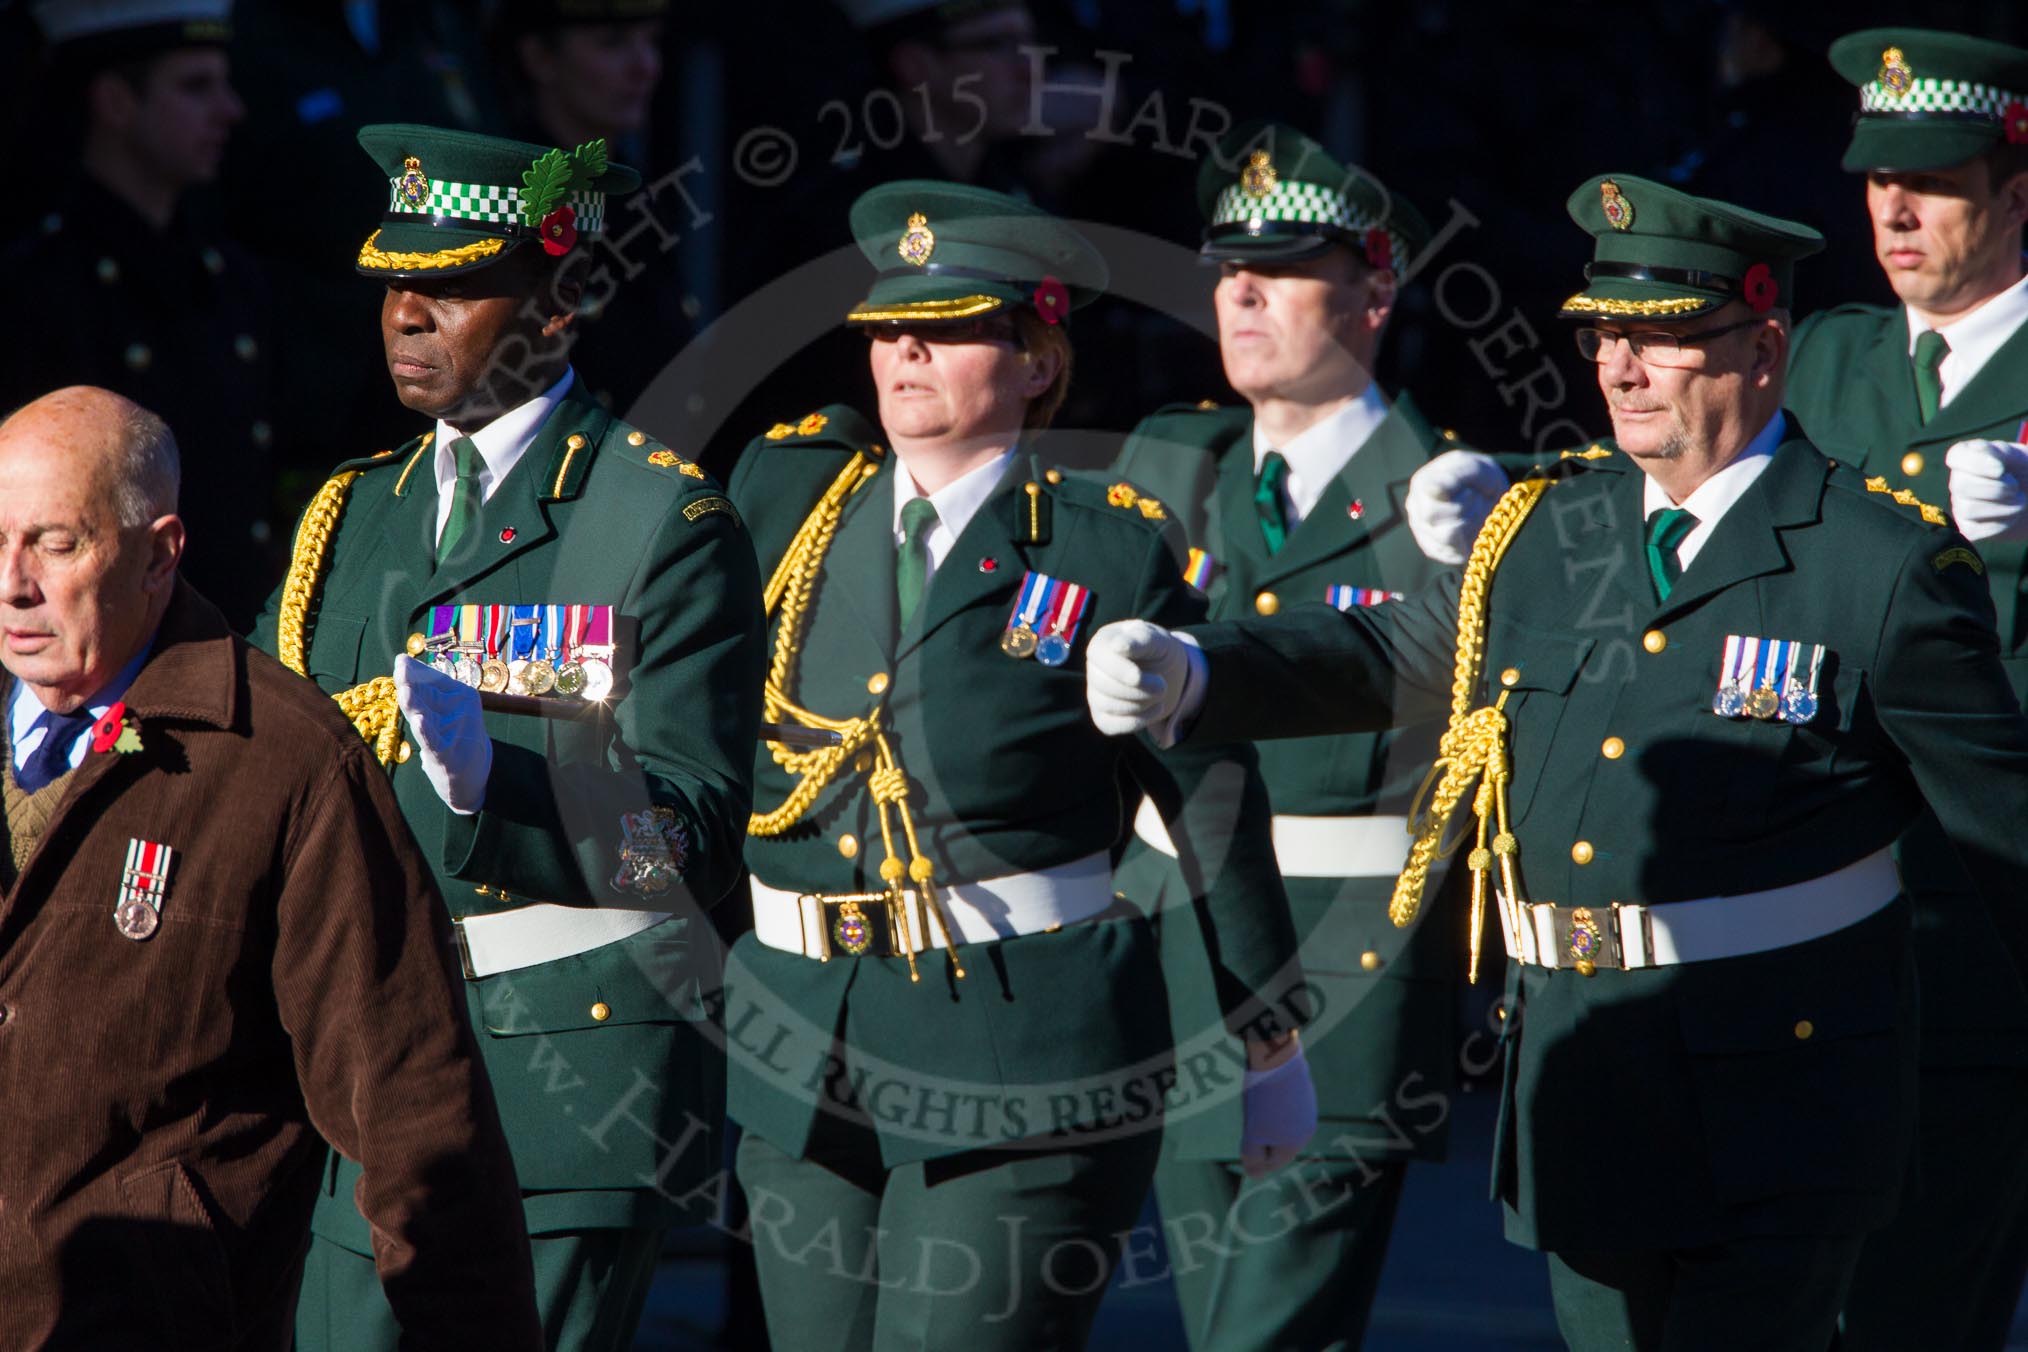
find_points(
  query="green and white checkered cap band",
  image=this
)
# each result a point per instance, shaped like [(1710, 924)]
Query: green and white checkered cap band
[(1938, 96), (1302, 203), (490, 204)]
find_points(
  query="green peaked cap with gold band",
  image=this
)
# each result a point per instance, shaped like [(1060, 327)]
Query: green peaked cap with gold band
[(1270, 194), (1658, 253), (1929, 100), (457, 200), (949, 252)]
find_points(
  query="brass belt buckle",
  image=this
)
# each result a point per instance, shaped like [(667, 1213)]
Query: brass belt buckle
[(1586, 939)]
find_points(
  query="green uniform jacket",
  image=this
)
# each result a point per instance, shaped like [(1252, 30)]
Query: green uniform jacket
[(593, 1106), (1382, 1049), (1048, 1032), (1770, 1093), (1853, 386)]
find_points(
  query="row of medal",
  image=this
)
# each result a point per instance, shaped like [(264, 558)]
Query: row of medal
[(1349, 598), (1769, 679), (1045, 619), (525, 650)]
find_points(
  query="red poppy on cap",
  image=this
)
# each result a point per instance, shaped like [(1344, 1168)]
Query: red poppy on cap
[(1052, 300), (559, 232), (1379, 249), (2014, 118), (1760, 290)]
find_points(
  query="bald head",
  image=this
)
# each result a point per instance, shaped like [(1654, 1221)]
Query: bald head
[(89, 540)]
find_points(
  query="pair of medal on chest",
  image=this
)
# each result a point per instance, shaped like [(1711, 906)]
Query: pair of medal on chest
[(537, 650)]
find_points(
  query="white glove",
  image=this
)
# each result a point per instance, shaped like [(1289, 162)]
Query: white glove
[(1449, 499), (1280, 1107), (449, 731), (1989, 489), (1134, 674)]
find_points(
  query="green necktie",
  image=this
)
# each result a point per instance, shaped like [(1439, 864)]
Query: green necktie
[(1930, 351), (465, 496), (911, 568), (1666, 530), (1267, 500)]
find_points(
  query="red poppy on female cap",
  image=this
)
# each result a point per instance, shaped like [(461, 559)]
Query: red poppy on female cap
[(1052, 300), (559, 232), (1760, 290), (1379, 249), (2014, 117)]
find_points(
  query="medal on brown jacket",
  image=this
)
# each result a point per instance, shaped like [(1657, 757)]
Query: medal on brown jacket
[(143, 885)]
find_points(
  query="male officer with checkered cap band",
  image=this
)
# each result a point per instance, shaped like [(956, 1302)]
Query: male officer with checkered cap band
[(1932, 388), (575, 855), (1296, 496), (1700, 680)]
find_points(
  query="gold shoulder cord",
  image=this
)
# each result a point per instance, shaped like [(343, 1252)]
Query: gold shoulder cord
[(371, 706), (1474, 746), (790, 590)]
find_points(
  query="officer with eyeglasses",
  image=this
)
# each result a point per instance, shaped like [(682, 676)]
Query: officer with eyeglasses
[(1699, 680)]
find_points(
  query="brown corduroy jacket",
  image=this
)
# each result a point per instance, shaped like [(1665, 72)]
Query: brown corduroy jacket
[(161, 1100)]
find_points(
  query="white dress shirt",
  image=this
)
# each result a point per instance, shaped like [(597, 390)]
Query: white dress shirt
[(1320, 451), (956, 502), (501, 443), (1974, 337), (1715, 496)]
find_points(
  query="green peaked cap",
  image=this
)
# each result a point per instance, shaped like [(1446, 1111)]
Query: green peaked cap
[(1271, 194), (458, 201), (947, 251), (1929, 100), (1658, 253)]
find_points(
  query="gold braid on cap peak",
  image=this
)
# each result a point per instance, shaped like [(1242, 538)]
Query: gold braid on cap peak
[(371, 706), (1474, 746), (789, 591), (372, 256), (1592, 305)]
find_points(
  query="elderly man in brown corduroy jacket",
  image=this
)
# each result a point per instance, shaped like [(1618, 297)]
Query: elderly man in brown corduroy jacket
[(217, 941)]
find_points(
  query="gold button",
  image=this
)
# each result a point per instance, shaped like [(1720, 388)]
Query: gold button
[(1654, 641), (402, 753), (1511, 676), (1581, 852), (575, 441), (417, 644), (1911, 464), (863, 762), (1500, 1013), (1805, 1030), (1370, 960), (848, 845), (601, 1011), (1613, 748), (877, 683), (637, 438), (1054, 476), (1586, 967), (1267, 603)]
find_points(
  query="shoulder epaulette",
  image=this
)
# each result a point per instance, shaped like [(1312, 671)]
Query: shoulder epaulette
[(1933, 515), (1591, 452), (835, 425), (651, 452), (1126, 496)]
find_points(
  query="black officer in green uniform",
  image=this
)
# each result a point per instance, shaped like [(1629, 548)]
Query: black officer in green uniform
[(1297, 496), (947, 1034), (1937, 387), (533, 545), (132, 288), (1699, 682)]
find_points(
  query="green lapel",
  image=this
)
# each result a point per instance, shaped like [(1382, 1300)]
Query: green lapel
[(1240, 549), (960, 583), (1996, 395), (859, 569), (1746, 543), (410, 525), (1376, 477)]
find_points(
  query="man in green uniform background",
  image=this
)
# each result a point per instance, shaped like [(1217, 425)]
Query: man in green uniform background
[(1937, 386), (1700, 680), (533, 540), (1296, 497)]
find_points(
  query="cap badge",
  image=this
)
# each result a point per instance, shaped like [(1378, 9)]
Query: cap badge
[(1258, 179), (1895, 72), (918, 242), (414, 188), (1619, 212)]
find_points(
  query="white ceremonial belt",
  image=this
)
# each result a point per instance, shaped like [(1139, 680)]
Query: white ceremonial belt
[(977, 912), (1631, 936), (1313, 847), (528, 936)]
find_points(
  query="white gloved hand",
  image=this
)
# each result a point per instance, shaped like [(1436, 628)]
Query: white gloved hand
[(1134, 674), (1989, 489), (449, 731), (1449, 499), (1280, 1108)]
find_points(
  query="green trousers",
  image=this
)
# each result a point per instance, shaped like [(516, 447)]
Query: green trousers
[(1290, 1261), (590, 1285), (1947, 1271), (986, 1251), (1763, 1294)]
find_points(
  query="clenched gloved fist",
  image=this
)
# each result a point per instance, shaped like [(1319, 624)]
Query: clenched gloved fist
[(1989, 489), (1280, 1110), (449, 732), (1449, 499), (1134, 674)]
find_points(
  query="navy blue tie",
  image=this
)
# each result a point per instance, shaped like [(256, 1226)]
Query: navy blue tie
[(51, 757)]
